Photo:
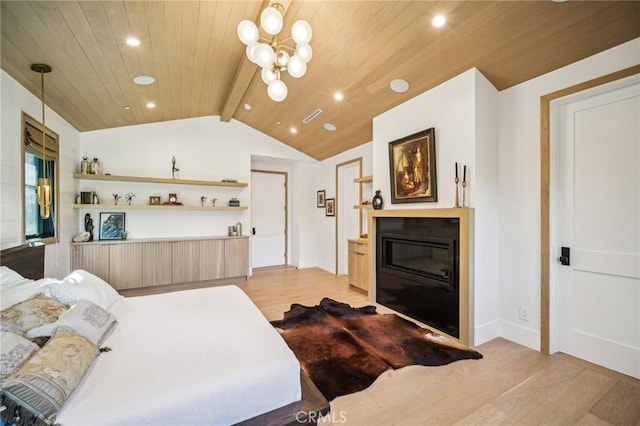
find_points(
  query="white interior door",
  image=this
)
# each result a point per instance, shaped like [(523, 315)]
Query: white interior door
[(268, 219), (599, 220), (348, 224)]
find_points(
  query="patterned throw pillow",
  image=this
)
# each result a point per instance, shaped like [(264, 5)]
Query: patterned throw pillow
[(47, 380), (85, 318), (16, 350), (31, 313)]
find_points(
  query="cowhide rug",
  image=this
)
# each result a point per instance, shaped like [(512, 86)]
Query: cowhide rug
[(344, 349)]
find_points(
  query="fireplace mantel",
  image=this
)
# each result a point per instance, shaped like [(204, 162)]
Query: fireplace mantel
[(465, 215)]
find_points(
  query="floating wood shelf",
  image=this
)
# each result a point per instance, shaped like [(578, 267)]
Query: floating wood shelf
[(363, 179), (148, 206), (363, 206), (114, 178)]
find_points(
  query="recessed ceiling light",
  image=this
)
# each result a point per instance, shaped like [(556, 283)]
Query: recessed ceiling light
[(127, 107), (151, 105), (329, 126), (293, 130), (399, 85), (278, 122), (247, 107), (438, 21), (133, 42), (338, 96), (144, 80)]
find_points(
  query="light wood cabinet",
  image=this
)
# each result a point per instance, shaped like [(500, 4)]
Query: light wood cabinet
[(359, 264), (212, 259), (125, 265), (185, 261), (236, 258), (134, 264), (156, 264), (91, 257)]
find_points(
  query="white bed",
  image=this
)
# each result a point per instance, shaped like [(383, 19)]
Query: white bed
[(205, 356), (196, 357)]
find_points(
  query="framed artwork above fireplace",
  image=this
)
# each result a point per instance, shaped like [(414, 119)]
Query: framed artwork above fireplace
[(412, 168)]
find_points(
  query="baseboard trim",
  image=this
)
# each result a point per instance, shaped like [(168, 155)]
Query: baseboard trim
[(519, 334), (485, 332)]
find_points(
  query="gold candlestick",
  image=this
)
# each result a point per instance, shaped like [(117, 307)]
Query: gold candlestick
[(457, 196), (464, 193)]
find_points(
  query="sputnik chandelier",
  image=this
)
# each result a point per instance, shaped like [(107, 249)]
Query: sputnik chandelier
[(271, 55)]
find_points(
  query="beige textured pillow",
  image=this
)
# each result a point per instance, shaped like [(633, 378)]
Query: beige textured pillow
[(46, 381), (31, 313)]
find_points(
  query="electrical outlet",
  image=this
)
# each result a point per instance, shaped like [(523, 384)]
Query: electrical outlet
[(523, 312)]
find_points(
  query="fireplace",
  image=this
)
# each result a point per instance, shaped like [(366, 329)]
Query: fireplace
[(417, 269)]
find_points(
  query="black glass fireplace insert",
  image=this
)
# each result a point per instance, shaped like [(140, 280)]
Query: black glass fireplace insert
[(417, 269)]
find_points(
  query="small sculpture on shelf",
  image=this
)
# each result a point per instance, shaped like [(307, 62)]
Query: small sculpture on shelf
[(213, 202), (203, 200), (174, 169), (129, 197), (116, 197), (88, 226)]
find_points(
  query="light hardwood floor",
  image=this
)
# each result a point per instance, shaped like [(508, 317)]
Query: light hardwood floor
[(512, 384)]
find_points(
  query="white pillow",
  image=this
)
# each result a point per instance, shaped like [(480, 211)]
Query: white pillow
[(85, 318), (26, 290), (16, 350), (82, 285), (9, 277)]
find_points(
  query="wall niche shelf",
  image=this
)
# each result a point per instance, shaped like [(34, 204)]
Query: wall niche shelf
[(115, 178), (363, 206), (148, 206), (364, 179)]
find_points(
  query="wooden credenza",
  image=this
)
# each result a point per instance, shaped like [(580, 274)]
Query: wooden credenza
[(359, 264), (154, 262)]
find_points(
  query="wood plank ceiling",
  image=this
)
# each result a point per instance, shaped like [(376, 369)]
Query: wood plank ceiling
[(200, 67)]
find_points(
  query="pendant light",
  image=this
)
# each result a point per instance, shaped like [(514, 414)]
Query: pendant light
[(44, 183), (270, 53)]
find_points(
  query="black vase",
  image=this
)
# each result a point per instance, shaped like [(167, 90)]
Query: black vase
[(376, 203)]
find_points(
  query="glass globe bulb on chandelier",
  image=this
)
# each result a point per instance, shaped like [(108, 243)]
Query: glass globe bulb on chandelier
[(270, 54)]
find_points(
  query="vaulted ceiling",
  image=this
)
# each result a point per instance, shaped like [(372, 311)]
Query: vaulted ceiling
[(200, 66)]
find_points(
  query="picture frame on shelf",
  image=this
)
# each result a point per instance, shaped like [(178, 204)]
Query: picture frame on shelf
[(320, 198), (412, 168), (112, 226), (330, 207), (173, 198), (155, 200)]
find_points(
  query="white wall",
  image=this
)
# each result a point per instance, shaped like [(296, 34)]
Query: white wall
[(463, 112), (15, 100), (519, 181), (204, 147), (325, 240)]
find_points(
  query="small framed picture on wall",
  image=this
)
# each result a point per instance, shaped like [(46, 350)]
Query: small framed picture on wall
[(330, 207), (320, 199)]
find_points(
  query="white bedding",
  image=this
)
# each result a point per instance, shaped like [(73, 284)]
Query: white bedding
[(196, 357)]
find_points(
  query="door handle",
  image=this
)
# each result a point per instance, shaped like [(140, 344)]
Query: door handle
[(565, 257), (253, 231)]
